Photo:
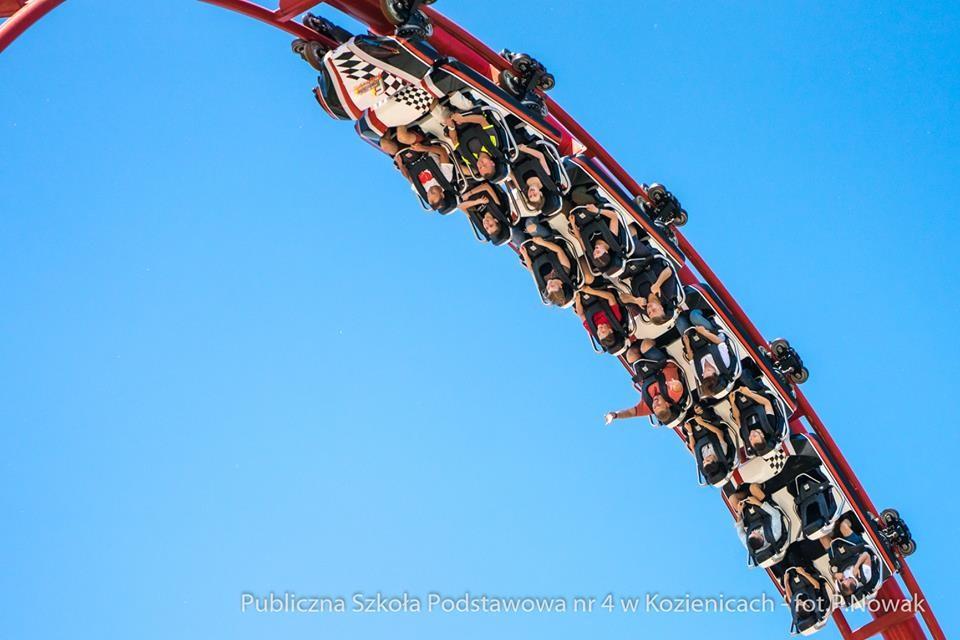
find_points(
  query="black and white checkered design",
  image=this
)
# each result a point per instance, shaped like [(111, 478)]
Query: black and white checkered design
[(414, 97), (392, 84), (350, 66), (777, 460)]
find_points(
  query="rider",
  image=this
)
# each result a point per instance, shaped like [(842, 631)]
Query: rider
[(480, 196), (803, 605), (859, 573), (530, 183), (710, 457), (407, 146), (601, 254), (651, 298), (554, 289), (663, 406), (708, 368), (622, 306), (606, 335), (756, 538), (744, 397)]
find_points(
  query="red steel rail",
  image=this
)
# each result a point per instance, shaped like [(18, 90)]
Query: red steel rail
[(453, 40)]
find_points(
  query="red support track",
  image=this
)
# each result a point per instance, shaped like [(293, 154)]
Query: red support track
[(452, 40)]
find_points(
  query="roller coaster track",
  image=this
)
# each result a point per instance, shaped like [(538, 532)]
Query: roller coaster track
[(891, 621)]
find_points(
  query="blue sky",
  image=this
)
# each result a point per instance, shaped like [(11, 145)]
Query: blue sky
[(236, 356)]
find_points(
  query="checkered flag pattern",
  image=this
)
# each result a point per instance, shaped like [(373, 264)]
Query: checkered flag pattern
[(414, 97), (354, 68), (392, 84), (777, 460)]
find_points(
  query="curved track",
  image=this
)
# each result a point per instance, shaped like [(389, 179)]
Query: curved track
[(452, 40)]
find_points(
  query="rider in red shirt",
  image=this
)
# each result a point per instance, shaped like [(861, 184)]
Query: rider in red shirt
[(662, 406)]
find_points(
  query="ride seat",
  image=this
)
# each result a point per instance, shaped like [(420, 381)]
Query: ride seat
[(815, 503)]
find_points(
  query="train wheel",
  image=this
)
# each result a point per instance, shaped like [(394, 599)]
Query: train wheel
[(396, 11), (780, 347)]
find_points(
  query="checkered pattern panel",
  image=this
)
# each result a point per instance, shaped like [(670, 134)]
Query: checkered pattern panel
[(414, 97), (354, 68), (392, 84), (777, 460)]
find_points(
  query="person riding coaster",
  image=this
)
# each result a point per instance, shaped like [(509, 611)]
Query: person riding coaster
[(488, 211), (712, 352), (591, 184), (652, 280), (604, 316), (662, 387), (809, 598), (762, 525), (554, 269), (428, 167), (537, 179), (856, 568), (711, 444), (759, 416), (606, 240), (482, 143)]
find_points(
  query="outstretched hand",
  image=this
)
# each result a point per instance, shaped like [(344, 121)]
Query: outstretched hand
[(609, 417)]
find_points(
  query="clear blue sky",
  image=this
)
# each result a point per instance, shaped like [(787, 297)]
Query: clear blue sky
[(236, 356)]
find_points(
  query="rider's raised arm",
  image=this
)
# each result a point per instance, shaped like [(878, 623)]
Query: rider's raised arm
[(474, 118), (407, 137), (709, 335), (662, 278), (578, 306), (487, 188), (436, 149), (687, 351), (552, 246), (389, 146), (525, 256), (688, 435), (535, 153), (637, 411), (808, 577), (614, 219), (600, 293), (711, 428), (451, 131), (759, 398), (473, 202)]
